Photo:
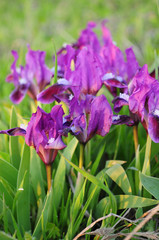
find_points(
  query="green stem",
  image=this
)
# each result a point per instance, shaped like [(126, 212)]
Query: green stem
[(48, 173), (146, 166), (81, 158)]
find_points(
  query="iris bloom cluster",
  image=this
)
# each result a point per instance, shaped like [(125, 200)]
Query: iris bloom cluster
[(84, 67), (31, 78)]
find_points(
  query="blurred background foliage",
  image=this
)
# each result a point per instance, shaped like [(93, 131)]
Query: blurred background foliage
[(40, 22)]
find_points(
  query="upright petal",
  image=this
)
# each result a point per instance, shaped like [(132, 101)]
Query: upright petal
[(88, 72), (88, 38), (14, 76), (100, 117), (131, 64), (37, 68)]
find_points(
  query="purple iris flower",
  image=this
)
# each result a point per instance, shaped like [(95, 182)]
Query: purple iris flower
[(141, 87), (18, 78), (24, 77), (85, 79), (144, 102), (114, 78), (90, 116), (131, 69), (43, 133)]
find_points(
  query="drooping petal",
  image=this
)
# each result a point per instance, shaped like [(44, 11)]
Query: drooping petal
[(122, 119), (57, 143), (53, 93), (14, 132), (111, 80), (19, 93), (153, 126), (120, 101)]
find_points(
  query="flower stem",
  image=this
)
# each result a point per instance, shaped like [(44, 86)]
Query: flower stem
[(48, 173), (81, 158), (135, 133)]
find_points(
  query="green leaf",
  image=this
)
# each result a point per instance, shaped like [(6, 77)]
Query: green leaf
[(101, 176), (81, 215), (41, 224), (96, 181), (36, 176), (70, 150), (59, 179), (88, 223), (5, 236), (5, 156), (14, 145), (64, 213), (4, 192), (8, 172), (5, 218), (23, 201), (8, 215), (77, 203), (126, 201), (118, 175), (98, 158), (146, 165), (18, 233), (111, 163), (151, 184)]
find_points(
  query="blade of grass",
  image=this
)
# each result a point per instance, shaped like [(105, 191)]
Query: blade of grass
[(8, 172), (38, 230), (5, 236), (23, 202)]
